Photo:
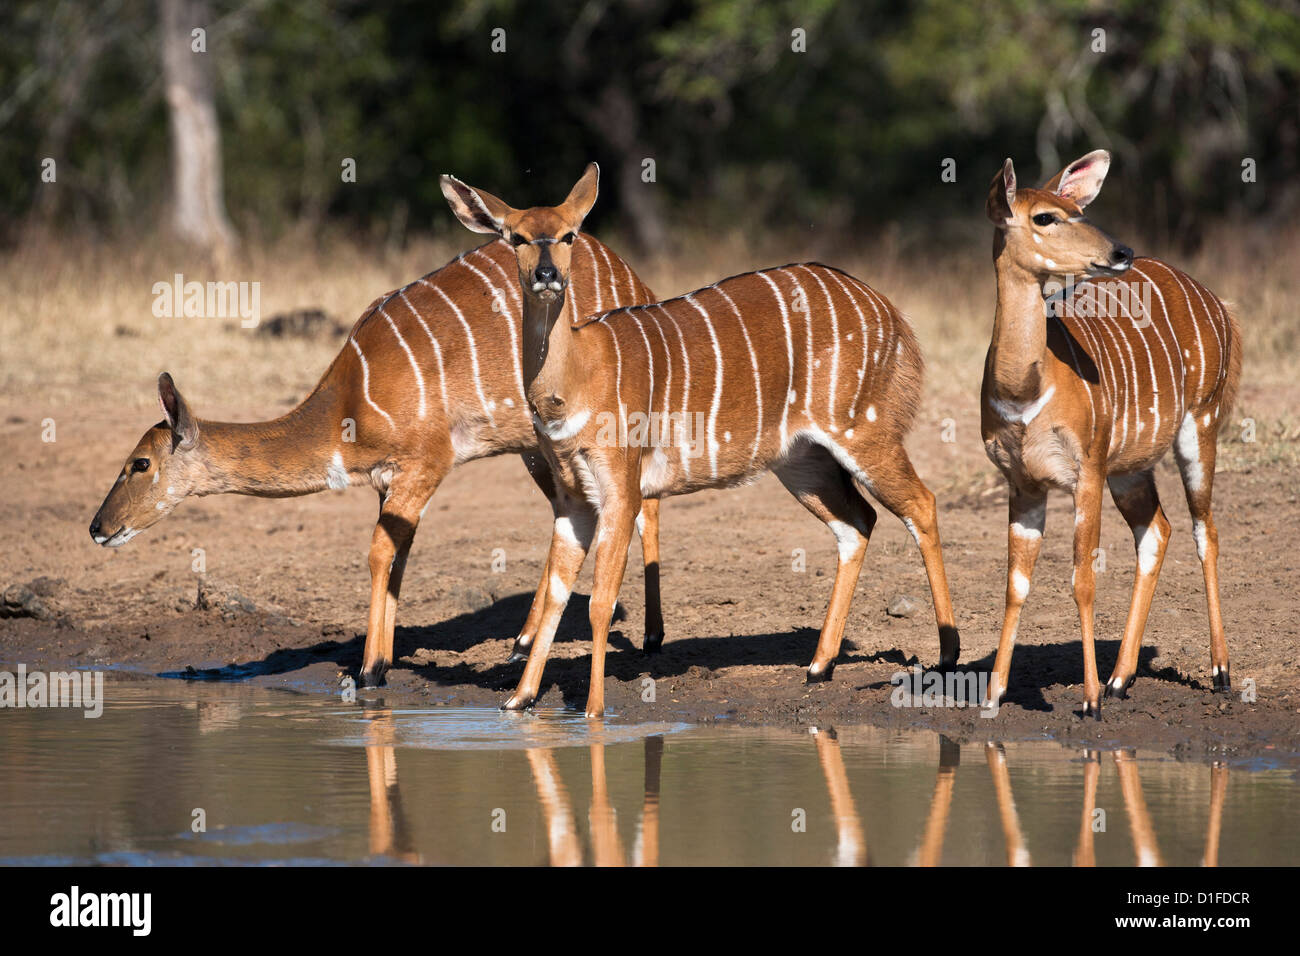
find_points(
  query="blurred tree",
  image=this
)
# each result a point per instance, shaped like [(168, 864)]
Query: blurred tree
[(783, 113), (198, 207)]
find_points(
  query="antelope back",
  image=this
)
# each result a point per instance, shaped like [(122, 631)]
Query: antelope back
[(736, 372), (1152, 348), (442, 353)]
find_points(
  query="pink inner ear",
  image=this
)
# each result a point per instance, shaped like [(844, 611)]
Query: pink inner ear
[(1070, 176)]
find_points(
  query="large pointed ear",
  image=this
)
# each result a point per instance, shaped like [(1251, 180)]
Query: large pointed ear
[(1002, 194), (583, 195), (184, 426), (1081, 180), (478, 210)]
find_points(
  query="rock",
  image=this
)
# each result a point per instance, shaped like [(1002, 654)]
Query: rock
[(21, 600), (301, 324), (47, 587), (900, 605), (215, 595)]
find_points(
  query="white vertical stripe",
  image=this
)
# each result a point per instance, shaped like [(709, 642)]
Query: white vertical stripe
[(437, 352), (686, 383), (753, 363), (717, 387), (1196, 327), (807, 325), (365, 383), (595, 273), (862, 321), (493, 291), (668, 383), (473, 350), (789, 351), (835, 352), (415, 366)]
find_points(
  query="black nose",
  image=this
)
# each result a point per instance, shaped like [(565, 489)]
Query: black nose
[(94, 527), (1121, 256), (546, 275)]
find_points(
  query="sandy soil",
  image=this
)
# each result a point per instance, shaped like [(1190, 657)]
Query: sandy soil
[(742, 622)]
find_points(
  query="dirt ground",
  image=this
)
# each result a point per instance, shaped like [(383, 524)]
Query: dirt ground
[(285, 590)]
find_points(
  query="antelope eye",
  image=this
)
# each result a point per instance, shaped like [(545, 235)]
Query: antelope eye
[(517, 239), (568, 239), (140, 464), (1044, 219)]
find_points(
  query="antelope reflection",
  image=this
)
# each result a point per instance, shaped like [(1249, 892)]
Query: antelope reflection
[(564, 844), (1146, 850), (389, 834), (851, 849)]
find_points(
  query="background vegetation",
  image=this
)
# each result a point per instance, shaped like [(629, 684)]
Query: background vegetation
[(746, 133), (763, 155)]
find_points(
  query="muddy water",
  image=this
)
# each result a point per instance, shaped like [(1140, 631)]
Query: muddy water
[(176, 772)]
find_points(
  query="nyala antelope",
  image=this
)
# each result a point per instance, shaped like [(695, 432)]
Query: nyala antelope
[(1090, 388), (803, 371), (430, 377)]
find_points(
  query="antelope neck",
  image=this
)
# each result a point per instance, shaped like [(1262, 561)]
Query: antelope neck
[(1016, 357), (552, 365), (297, 454)]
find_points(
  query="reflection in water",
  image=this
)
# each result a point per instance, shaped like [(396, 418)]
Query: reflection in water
[(852, 847), (1218, 790), (389, 834), (606, 847), (1017, 852), (286, 778), (851, 850), (936, 824)]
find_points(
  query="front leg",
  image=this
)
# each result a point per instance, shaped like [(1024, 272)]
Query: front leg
[(542, 475), (1087, 534), (613, 535), (1027, 516), (570, 542)]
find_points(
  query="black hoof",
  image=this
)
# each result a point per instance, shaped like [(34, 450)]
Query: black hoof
[(1092, 710), (1223, 682), (815, 677), (654, 643), (519, 652), (372, 678), (1118, 691)]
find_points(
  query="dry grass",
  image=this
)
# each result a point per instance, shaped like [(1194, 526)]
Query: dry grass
[(77, 325)]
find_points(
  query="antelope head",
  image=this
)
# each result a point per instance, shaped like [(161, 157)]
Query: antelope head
[(161, 471), (1044, 231), (542, 237)]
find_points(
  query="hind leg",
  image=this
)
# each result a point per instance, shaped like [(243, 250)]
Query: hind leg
[(826, 489), (647, 523), (1135, 496), (1195, 451), (888, 475)]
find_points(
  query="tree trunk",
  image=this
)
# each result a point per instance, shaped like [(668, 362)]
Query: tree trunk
[(198, 211), (616, 117)]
